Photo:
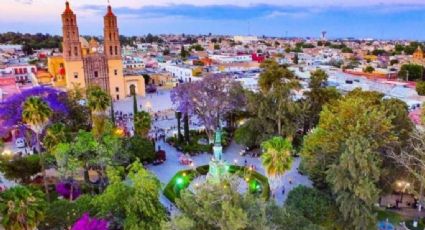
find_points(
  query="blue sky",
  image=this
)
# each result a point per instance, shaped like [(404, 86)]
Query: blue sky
[(397, 19)]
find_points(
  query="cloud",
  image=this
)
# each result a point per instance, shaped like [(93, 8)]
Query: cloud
[(28, 2)]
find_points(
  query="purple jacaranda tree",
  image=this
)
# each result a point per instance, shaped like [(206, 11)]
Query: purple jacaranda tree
[(11, 108), (208, 99), (87, 223)]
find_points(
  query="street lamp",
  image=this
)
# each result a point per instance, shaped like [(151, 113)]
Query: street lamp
[(403, 185)]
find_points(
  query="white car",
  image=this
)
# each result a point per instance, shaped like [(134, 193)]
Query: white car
[(20, 143)]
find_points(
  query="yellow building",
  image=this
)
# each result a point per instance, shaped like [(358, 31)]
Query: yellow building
[(85, 65), (418, 54), (56, 68)]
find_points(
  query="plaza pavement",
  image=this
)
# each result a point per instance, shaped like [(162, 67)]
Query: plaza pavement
[(160, 102)]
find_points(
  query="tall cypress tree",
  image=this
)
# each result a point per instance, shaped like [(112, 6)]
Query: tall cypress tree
[(179, 134), (186, 128)]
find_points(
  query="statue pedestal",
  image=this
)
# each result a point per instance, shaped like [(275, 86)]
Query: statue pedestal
[(218, 169)]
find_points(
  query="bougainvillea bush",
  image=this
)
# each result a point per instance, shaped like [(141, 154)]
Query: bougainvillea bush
[(64, 189), (11, 108), (87, 223)]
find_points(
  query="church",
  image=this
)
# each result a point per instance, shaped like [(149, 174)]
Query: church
[(86, 63)]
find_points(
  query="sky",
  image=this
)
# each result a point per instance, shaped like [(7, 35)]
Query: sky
[(383, 19)]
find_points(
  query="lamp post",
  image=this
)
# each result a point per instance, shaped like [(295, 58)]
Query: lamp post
[(403, 185)]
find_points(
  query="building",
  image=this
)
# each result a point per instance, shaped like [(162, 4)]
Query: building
[(86, 64)]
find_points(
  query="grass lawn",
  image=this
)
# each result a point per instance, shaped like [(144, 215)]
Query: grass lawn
[(393, 217)]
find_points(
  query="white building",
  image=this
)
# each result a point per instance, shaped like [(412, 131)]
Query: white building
[(180, 72), (245, 39), (224, 59)]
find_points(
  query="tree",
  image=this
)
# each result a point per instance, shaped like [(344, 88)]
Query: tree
[(253, 132), (219, 206), (22, 207), (273, 75), (358, 112), (183, 53), (20, 169), (11, 108), (369, 69), (420, 87), (179, 132), (133, 93), (277, 108), (316, 206), (411, 72), (142, 123), (317, 97), (276, 158), (36, 114), (55, 134), (412, 158), (78, 114), (98, 101), (216, 46), (295, 60), (209, 99), (353, 179), (62, 214), (140, 148), (27, 49), (186, 128), (141, 208)]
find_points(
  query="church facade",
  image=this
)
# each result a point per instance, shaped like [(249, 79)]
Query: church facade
[(87, 64)]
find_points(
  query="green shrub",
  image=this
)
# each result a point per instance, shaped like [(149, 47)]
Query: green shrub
[(20, 169), (139, 147), (420, 88)]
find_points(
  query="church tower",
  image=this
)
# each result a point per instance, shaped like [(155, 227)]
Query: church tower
[(72, 49), (112, 49)]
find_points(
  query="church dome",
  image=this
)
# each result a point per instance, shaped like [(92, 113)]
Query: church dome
[(84, 43)]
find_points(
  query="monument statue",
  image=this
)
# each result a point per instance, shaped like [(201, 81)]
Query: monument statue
[(218, 167)]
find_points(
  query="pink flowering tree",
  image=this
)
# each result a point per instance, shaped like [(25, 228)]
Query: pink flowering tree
[(208, 100)]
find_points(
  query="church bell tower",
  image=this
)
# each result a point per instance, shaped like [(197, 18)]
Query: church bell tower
[(112, 50), (72, 48)]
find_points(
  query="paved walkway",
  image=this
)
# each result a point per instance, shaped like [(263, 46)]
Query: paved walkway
[(160, 102)]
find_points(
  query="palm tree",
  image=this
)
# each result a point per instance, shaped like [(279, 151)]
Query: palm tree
[(98, 102), (276, 158), (56, 134), (36, 114), (142, 123), (22, 208)]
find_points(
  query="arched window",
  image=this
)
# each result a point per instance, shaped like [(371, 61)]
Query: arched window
[(75, 51), (116, 50), (110, 50)]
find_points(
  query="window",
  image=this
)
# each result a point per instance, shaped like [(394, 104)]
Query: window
[(110, 36), (96, 74), (69, 53), (118, 97), (115, 72), (110, 50), (75, 51), (75, 75), (117, 89), (116, 50)]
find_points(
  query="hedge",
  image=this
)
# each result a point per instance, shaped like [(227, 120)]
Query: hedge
[(172, 189)]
